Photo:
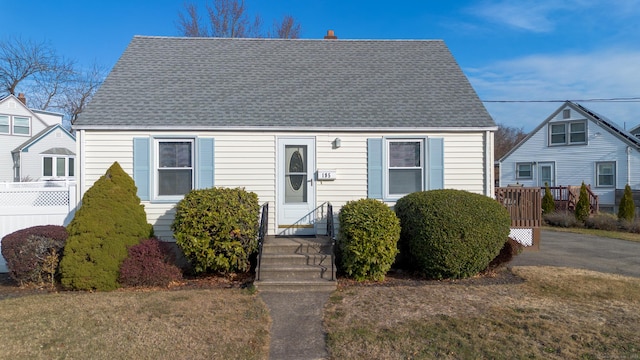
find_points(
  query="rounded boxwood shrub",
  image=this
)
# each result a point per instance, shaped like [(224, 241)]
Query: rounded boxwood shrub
[(369, 233), (150, 263), (32, 254), (110, 220), (451, 233), (217, 229)]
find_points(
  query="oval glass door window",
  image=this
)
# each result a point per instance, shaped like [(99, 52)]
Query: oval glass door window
[(296, 165)]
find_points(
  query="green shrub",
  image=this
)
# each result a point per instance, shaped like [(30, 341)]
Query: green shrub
[(150, 263), (561, 218), (32, 254), (217, 229), (582, 209), (369, 233), (110, 219), (548, 205), (451, 233), (627, 208)]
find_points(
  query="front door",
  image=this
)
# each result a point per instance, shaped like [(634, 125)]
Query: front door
[(546, 174), (296, 187)]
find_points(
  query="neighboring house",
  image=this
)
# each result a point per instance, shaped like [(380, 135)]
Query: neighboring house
[(299, 122), (33, 144), (572, 146)]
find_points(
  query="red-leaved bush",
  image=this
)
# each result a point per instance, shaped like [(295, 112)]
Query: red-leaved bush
[(150, 263), (32, 254)]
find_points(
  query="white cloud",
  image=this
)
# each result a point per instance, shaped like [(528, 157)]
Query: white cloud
[(603, 74)]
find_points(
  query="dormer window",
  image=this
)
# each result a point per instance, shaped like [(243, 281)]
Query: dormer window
[(568, 133)]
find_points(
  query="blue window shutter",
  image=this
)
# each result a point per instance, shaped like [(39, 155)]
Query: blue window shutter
[(205, 168), (374, 168), (141, 166), (436, 163)]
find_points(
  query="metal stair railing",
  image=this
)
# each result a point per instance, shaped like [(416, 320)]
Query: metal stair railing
[(262, 234), (331, 231)]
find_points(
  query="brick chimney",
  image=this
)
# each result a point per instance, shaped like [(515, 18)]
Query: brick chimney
[(22, 99), (330, 35)]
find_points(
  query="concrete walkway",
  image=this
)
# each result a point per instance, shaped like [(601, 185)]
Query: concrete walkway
[(296, 328), (584, 252)]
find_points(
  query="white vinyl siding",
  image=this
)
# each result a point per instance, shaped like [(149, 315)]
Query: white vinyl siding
[(249, 160)]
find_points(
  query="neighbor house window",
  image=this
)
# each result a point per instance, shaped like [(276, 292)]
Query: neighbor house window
[(174, 166), (606, 174), (21, 125), (568, 133), (405, 166), (4, 124), (61, 167), (524, 171)]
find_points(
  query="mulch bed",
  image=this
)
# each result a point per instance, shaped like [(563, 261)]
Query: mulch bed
[(10, 289)]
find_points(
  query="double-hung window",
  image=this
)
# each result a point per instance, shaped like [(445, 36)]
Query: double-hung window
[(568, 133), (174, 167), (405, 167), (21, 125), (606, 174), (524, 171), (4, 124)]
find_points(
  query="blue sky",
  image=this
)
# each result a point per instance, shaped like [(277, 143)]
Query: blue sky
[(509, 49)]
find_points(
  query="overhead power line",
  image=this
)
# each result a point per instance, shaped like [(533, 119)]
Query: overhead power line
[(621, 99)]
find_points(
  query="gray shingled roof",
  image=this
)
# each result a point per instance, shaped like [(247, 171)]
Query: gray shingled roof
[(205, 83)]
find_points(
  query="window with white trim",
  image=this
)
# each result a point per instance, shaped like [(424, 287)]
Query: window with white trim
[(405, 166), (174, 168), (58, 167), (524, 171), (21, 125), (4, 124), (606, 174), (568, 133)]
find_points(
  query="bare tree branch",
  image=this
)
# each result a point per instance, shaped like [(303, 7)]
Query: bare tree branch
[(230, 18), (21, 59), (505, 139), (286, 29)]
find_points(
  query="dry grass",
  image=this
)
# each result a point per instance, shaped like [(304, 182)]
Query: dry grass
[(620, 235), (555, 313), (184, 324)]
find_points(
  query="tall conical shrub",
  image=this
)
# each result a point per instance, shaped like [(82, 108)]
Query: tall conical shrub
[(548, 205), (627, 208), (582, 207), (110, 219)]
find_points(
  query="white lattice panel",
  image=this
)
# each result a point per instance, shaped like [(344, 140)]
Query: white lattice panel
[(523, 236), (35, 197)]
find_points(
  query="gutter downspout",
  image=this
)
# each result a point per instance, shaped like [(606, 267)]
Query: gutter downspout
[(489, 165), (629, 165)]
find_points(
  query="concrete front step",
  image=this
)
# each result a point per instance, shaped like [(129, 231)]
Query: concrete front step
[(294, 272), (294, 286), (296, 264), (297, 259)]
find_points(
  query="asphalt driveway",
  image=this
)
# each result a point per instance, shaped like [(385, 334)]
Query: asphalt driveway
[(584, 252)]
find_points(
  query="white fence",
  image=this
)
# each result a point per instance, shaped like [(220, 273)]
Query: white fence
[(28, 204)]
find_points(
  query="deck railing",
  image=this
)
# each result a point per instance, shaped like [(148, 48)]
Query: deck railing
[(524, 205), (566, 197)]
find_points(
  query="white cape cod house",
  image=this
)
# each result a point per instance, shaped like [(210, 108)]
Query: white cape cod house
[(299, 122), (575, 145)]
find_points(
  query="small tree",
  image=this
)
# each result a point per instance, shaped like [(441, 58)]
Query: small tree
[(548, 205), (583, 207), (627, 209), (110, 219)]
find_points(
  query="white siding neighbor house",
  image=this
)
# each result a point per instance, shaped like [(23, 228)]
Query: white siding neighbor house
[(575, 145), (33, 144), (299, 122)]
